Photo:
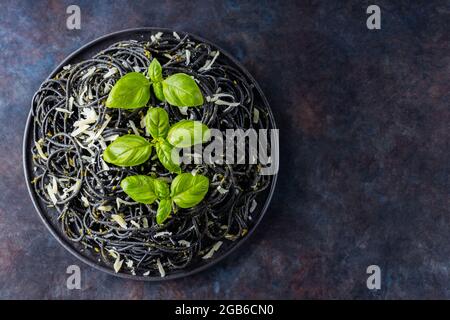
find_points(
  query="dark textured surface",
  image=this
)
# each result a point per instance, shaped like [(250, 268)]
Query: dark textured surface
[(364, 118)]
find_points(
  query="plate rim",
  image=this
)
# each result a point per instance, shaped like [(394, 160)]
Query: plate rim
[(64, 242)]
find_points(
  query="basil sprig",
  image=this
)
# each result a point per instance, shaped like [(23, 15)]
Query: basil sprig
[(128, 150), (131, 150), (132, 91), (164, 210), (179, 89), (186, 191), (155, 71), (168, 156), (182, 91), (141, 188), (157, 122)]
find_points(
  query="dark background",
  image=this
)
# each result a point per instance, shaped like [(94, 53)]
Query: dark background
[(364, 129)]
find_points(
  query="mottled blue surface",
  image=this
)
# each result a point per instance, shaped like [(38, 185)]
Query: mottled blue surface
[(364, 118)]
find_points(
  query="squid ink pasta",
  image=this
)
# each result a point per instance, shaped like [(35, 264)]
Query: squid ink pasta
[(71, 128)]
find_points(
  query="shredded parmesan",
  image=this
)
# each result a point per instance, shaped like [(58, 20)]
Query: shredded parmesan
[(176, 35), (104, 165), (253, 205), (120, 201), (111, 138), (226, 103), (188, 57), (85, 201), (209, 63), (39, 149), (184, 243), (110, 73), (162, 233), (80, 97), (184, 110), (214, 248), (70, 106), (255, 115), (120, 221), (145, 222), (52, 194), (134, 223), (89, 73), (64, 111), (100, 131), (104, 208), (118, 264), (222, 190), (133, 127), (162, 272)]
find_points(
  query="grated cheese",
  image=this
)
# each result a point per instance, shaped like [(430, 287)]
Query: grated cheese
[(162, 272), (120, 221), (104, 208), (188, 57), (133, 127), (208, 63), (214, 248), (39, 149), (110, 73), (255, 115), (89, 73)]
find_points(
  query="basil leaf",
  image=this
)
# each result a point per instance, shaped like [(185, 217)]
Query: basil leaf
[(188, 190), (158, 90), (128, 150), (132, 91), (164, 152), (157, 122), (164, 210), (182, 91), (186, 133), (155, 71), (140, 188), (162, 189)]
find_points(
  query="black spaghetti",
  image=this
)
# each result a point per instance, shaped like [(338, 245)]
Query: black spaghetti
[(71, 128)]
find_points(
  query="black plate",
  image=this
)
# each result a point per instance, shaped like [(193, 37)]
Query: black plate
[(48, 216)]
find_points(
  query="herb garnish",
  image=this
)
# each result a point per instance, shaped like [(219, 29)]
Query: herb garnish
[(133, 91), (186, 191)]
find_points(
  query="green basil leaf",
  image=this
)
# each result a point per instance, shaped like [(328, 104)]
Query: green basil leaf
[(140, 188), (158, 90), (188, 190), (164, 210), (182, 91), (132, 91), (155, 71), (186, 133), (162, 189), (128, 150), (164, 152), (157, 122)]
